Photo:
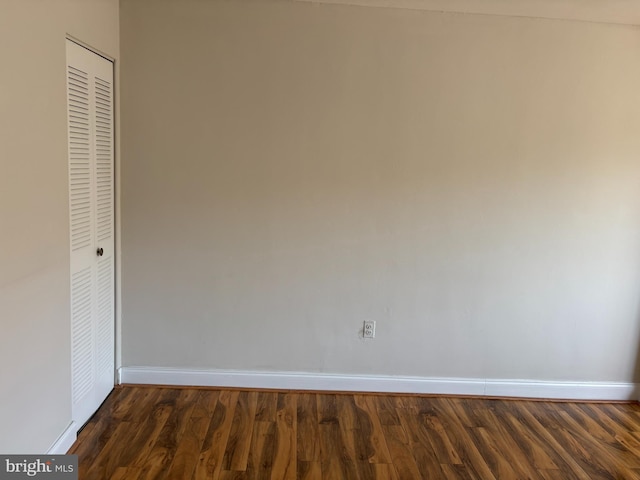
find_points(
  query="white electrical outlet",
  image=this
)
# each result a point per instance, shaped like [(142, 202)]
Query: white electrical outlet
[(369, 330)]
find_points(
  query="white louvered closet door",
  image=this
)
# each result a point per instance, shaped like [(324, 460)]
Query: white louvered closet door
[(91, 147)]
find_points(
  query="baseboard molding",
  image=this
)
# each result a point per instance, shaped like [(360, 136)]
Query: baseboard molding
[(64, 441), (382, 384), (562, 390)]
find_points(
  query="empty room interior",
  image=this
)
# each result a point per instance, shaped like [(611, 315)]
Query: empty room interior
[(321, 238)]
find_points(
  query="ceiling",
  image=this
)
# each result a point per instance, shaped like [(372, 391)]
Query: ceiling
[(607, 11)]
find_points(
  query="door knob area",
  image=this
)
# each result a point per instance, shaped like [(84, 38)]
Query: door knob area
[(100, 252)]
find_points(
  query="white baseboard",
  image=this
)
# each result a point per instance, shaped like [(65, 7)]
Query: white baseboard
[(562, 390), (64, 441), (384, 384)]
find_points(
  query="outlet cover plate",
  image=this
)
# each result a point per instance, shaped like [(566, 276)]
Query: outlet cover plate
[(369, 329)]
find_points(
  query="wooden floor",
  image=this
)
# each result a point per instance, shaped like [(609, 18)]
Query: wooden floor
[(185, 433)]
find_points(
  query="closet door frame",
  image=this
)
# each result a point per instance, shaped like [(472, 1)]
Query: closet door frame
[(101, 122)]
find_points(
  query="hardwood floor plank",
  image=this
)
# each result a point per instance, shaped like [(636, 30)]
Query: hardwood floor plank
[(308, 434), (608, 447), (380, 453), (401, 454), (471, 411), (589, 424), (205, 403), (560, 456), (329, 438), (335, 462), (164, 449), (266, 408), (614, 457), (519, 460), (492, 454), (439, 440), (125, 473), (239, 441), (403, 401), (120, 407), (362, 439), (456, 472), (629, 417), (285, 456), (386, 410), (140, 403), (117, 451), (552, 474), (526, 440), (327, 409), (91, 441), (385, 471), (623, 437), (215, 442), (347, 423), (458, 405), (97, 431), (233, 475), (460, 437), (263, 444), (309, 470), (583, 456), (143, 420), (188, 451), (106, 462), (425, 458), (148, 429)]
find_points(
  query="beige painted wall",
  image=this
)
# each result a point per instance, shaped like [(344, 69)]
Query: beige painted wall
[(35, 386), (469, 182)]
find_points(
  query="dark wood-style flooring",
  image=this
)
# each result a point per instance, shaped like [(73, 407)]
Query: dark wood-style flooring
[(191, 433)]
